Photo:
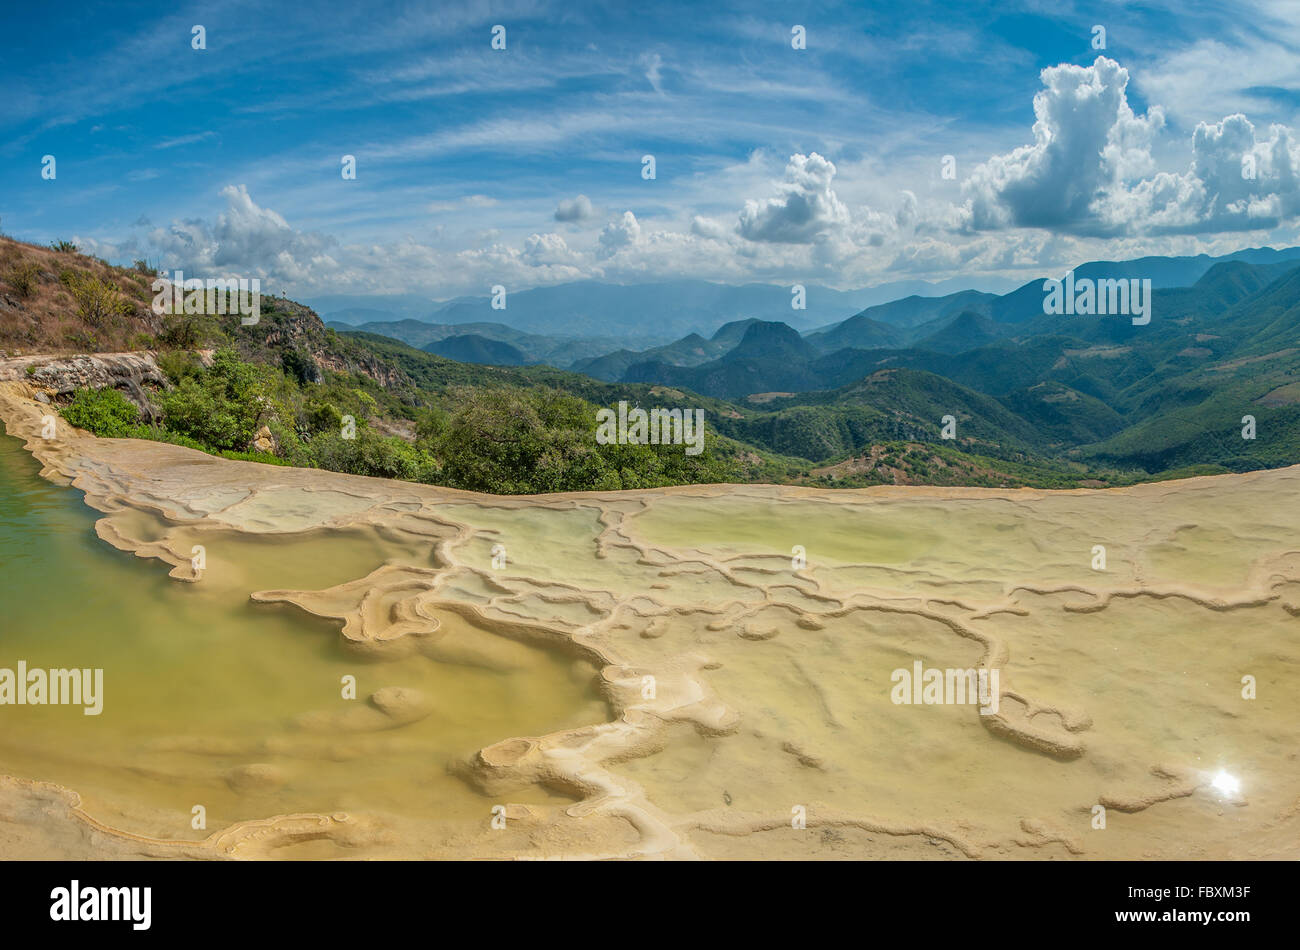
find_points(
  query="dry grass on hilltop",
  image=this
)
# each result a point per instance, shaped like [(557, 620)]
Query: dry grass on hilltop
[(62, 301)]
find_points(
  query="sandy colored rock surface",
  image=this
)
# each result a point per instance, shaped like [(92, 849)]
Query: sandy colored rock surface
[(750, 692)]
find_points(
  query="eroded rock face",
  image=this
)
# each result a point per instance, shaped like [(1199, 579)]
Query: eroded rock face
[(133, 374)]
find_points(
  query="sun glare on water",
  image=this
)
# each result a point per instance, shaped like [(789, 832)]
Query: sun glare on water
[(1226, 784)]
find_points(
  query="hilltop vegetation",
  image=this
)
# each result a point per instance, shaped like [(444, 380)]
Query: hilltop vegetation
[(1034, 400)]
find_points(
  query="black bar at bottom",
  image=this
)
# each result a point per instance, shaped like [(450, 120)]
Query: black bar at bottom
[(650, 901)]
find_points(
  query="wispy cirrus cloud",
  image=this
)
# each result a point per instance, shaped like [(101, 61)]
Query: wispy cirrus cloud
[(524, 166)]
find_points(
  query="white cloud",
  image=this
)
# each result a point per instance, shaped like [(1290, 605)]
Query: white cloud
[(543, 249), (1087, 140), (1244, 63), (702, 226), (1236, 182), (1088, 187), (469, 201), (805, 208), (575, 209), (1091, 171), (247, 240), (620, 234), (653, 64)]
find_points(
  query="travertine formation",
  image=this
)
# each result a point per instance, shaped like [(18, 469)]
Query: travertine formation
[(747, 640)]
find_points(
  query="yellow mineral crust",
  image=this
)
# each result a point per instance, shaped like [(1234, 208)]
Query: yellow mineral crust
[(747, 639)]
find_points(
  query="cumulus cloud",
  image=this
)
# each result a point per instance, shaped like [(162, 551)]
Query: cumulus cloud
[(1236, 182), (805, 208), (543, 249), (617, 235), (908, 213), (709, 228), (576, 209), (1087, 141), (1091, 171), (1087, 187), (247, 240)]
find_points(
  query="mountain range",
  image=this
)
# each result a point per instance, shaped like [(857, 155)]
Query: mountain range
[(1223, 343), (632, 314)]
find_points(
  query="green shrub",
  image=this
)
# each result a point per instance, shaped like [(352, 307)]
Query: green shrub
[(157, 433), (266, 458), (98, 302), (300, 366), (188, 331), (321, 416), (22, 277), (105, 412), (196, 410), (178, 364), (221, 406), (81, 340), (372, 454)]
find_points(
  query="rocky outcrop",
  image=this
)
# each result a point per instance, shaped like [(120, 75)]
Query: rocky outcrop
[(134, 374), (264, 441), (381, 371), (292, 335)]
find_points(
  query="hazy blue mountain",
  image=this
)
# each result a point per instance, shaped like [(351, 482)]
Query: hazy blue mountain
[(771, 357), (690, 350), (907, 312), (729, 334), (535, 348), (473, 348), (359, 308), (773, 340), (1026, 302), (966, 331), (658, 313), (860, 331)]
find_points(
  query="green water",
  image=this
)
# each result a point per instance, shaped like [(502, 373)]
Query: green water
[(199, 681)]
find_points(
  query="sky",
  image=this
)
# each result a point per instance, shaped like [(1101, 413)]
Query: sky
[(523, 166)]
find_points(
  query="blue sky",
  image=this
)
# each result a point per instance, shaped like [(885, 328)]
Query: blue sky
[(523, 166)]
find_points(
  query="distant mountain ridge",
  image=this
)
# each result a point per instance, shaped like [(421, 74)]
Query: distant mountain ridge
[(641, 314), (535, 348), (474, 348), (929, 322), (719, 303), (1084, 390), (606, 329)]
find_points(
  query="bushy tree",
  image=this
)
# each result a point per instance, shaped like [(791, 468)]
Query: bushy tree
[(513, 441), (372, 454), (221, 407)]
